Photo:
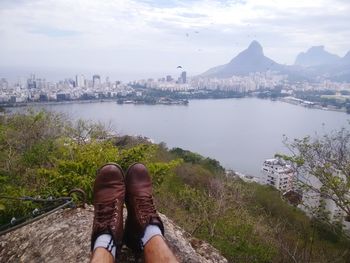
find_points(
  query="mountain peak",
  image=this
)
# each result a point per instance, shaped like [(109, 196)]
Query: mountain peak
[(315, 56), (316, 49), (255, 47), (248, 61)]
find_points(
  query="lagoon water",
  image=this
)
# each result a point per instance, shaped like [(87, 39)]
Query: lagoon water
[(240, 133)]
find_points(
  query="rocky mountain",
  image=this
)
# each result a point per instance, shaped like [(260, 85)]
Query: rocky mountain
[(317, 63), (248, 61), (316, 56), (64, 236), (314, 64)]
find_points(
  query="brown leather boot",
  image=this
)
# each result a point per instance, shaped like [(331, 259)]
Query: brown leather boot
[(109, 195), (140, 206)]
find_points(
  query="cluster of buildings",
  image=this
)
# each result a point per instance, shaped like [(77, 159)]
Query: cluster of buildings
[(319, 86), (81, 87), (241, 84), (39, 89), (167, 83), (254, 81), (282, 176)]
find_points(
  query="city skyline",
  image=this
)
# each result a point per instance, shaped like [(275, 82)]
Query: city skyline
[(130, 40)]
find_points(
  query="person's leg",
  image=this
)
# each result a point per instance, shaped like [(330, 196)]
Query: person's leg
[(107, 229), (102, 255), (144, 229), (156, 250)]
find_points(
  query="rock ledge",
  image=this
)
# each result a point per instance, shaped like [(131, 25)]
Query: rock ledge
[(64, 236)]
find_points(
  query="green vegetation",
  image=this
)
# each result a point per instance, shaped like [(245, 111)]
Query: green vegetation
[(326, 98), (43, 154), (272, 93), (205, 93), (325, 158)]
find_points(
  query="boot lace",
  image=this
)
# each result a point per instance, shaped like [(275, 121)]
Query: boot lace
[(146, 207), (105, 213)]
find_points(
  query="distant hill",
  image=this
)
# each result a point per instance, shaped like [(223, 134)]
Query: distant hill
[(248, 61), (316, 56), (318, 63), (341, 70), (314, 64)]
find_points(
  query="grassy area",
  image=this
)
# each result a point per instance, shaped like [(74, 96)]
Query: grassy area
[(341, 98)]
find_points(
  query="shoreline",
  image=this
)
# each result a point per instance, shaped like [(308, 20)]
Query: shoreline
[(282, 99), (309, 105), (36, 103), (28, 104)]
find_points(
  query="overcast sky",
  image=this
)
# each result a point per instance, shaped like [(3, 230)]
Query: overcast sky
[(129, 39)]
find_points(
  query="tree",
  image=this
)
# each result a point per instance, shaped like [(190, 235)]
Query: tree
[(323, 166), (83, 131)]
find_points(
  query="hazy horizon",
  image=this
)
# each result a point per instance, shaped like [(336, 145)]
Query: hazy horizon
[(129, 40)]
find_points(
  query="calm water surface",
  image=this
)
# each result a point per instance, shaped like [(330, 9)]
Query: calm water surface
[(240, 133)]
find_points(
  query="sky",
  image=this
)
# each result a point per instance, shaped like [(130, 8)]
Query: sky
[(129, 39)]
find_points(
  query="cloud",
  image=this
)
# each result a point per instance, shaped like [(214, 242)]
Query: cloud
[(153, 36), (193, 15), (53, 32)]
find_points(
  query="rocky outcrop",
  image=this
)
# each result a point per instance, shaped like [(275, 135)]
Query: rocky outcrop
[(316, 56), (64, 236), (248, 61)]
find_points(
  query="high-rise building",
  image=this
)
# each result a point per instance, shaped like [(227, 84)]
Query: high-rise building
[(80, 80), (31, 84), (96, 81), (107, 83), (278, 174), (183, 77), (4, 84), (169, 78), (41, 83)]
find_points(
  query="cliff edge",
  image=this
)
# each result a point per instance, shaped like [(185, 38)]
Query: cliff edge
[(64, 236)]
